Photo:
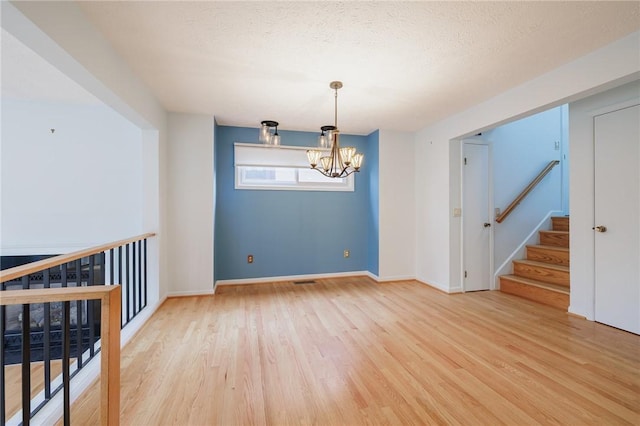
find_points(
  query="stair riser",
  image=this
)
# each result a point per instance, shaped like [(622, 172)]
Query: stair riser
[(554, 257), (558, 240), (537, 294), (539, 273), (560, 223)]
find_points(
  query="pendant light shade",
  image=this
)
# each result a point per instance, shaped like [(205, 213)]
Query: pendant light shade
[(265, 136)]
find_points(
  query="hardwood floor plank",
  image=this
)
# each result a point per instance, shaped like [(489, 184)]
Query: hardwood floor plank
[(352, 351), (13, 382)]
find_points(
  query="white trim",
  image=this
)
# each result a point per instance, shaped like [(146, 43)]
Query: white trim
[(326, 184), (395, 278), (612, 108), (247, 281), (260, 280), (372, 276), (519, 252), (592, 114), (208, 292), (52, 411), (491, 208), (291, 158), (254, 154), (443, 288)]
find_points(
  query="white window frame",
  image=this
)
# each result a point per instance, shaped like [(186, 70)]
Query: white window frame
[(248, 156)]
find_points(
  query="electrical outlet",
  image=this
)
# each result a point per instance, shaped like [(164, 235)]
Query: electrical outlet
[(250, 258), (347, 253)]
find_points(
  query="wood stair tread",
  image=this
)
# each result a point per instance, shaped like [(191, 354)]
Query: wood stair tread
[(536, 283), (536, 263), (555, 232), (548, 247)]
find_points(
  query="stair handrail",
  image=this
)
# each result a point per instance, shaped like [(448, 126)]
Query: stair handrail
[(526, 191), (29, 268), (109, 296), (112, 315)]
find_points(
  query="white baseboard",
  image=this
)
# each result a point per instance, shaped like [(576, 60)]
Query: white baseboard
[(209, 292), (519, 252), (395, 278), (244, 281), (52, 412), (443, 288)]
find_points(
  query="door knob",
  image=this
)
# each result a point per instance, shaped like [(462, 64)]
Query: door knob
[(487, 224), (600, 228)]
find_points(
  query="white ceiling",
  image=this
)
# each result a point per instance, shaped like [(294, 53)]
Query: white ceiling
[(404, 64)]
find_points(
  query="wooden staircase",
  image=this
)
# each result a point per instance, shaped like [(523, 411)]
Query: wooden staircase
[(544, 275)]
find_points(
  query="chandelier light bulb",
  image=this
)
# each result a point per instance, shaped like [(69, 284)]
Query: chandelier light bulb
[(313, 155)]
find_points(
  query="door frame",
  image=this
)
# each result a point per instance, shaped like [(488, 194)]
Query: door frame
[(593, 115), (472, 141), (588, 135)]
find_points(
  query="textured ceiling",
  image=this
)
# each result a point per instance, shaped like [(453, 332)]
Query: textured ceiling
[(404, 64)]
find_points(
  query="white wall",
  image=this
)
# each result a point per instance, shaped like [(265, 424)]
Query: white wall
[(74, 188), (581, 138), (437, 171), (59, 33), (397, 206), (521, 150), (190, 198)]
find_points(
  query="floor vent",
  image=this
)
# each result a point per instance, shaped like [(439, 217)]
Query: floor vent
[(304, 282)]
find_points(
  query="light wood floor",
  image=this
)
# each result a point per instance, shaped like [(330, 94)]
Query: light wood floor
[(13, 383), (351, 352)]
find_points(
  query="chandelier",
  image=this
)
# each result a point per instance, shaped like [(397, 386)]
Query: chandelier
[(266, 137), (340, 162)]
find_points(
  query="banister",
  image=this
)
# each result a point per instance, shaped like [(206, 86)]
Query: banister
[(110, 298), (19, 271), (527, 190)]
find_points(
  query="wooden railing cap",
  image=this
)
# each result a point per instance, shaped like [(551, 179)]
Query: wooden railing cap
[(30, 268)]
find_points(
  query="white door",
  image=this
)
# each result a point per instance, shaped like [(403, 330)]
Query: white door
[(617, 209), (476, 219)]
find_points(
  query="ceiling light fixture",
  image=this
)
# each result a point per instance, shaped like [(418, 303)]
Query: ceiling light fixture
[(266, 137), (340, 162)]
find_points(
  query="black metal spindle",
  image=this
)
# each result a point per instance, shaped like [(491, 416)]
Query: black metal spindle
[(101, 268), (120, 278), (127, 287), (3, 326), (63, 275), (90, 305), (139, 276), (111, 276), (26, 362), (66, 353), (145, 272), (46, 348), (79, 315), (133, 284)]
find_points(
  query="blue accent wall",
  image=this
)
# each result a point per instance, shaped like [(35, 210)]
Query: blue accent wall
[(372, 167), (289, 232)]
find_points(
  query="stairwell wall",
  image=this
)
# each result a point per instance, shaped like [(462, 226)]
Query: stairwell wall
[(521, 149)]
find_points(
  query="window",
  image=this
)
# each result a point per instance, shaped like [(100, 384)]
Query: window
[(281, 168)]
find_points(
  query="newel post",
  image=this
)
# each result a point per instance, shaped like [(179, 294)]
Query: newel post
[(110, 357)]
